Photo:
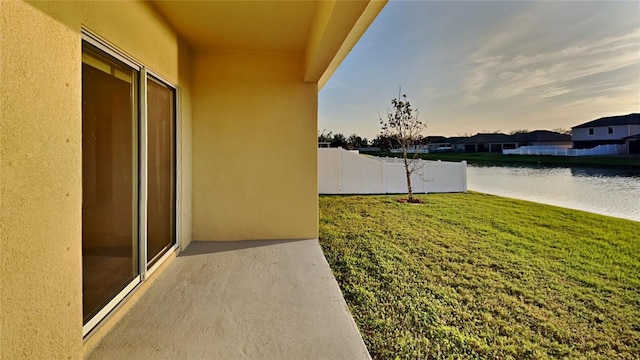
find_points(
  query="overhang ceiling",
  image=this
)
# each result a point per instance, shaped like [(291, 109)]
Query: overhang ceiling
[(322, 31), (266, 26)]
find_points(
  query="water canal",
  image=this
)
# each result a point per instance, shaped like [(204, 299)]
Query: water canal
[(612, 192)]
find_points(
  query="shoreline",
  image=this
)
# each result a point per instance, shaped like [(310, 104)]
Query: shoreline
[(603, 161), (590, 211)]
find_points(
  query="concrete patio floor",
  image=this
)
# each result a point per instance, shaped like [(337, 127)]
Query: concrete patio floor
[(239, 300)]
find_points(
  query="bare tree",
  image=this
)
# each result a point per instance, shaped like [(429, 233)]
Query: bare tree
[(403, 127)]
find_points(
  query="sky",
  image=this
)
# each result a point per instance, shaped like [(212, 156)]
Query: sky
[(485, 66)]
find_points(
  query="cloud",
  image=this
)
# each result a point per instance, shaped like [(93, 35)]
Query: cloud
[(494, 76), (472, 65), (430, 93), (507, 65), (601, 102), (551, 92)]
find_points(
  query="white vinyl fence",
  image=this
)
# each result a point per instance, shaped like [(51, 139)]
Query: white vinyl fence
[(612, 149), (345, 172)]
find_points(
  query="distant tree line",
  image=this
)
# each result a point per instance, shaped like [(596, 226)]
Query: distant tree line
[(384, 142), (339, 140), (354, 141)]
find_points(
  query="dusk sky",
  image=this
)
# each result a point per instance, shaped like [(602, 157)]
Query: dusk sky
[(480, 66)]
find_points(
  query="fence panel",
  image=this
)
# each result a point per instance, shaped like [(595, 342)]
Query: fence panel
[(345, 172), (395, 181), (361, 175), (442, 177), (611, 149), (329, 168)]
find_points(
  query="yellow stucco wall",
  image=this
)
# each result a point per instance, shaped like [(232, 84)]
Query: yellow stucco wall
[(40, 173), (254, 147), (247, 151), (184, 79)]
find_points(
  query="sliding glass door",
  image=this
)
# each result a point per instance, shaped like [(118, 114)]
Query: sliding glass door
[(161, 165), (109, 178), (128, 176)]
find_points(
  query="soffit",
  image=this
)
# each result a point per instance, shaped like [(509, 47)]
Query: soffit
[(322, 31), (264, 26)]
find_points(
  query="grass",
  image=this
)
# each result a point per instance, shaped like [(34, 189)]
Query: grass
[(632, 161), (480, 276)]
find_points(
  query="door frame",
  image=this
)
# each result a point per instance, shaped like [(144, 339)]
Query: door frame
[(144, 271)]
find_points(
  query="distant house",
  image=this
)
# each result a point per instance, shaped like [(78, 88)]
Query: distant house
[(433, 143), (633, 144), (493, 142), (436, 143), (496, 142), (484, 142), (543, 138), (622, 129), (427, 144)]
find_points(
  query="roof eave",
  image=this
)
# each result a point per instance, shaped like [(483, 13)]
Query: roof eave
[(336, 28)]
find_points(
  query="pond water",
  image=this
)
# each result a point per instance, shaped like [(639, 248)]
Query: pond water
[(612, 192)]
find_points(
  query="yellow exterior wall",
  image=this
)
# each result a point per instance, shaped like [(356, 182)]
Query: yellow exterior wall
[(248, 129), (254, 147), (40, 174), (185, 142)]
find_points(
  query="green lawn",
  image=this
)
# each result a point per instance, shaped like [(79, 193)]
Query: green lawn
[(632, 161), (480, 276)]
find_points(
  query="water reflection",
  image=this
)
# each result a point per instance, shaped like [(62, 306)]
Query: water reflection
[(605, 173), (613, 192)]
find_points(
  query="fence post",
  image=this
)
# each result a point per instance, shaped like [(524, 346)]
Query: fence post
[(424, 165), (464, 174), (341, 169), (383, 165)]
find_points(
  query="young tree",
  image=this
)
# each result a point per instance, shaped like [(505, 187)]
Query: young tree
[(403, 127)]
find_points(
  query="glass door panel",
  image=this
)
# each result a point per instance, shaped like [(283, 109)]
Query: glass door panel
[(109, 178), (161, 165)]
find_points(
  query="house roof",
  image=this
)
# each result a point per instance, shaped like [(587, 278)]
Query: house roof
[(540, 136), (434, 139), (630, 119), (483, 138), (322, 32), (533, 136), (453, 139)]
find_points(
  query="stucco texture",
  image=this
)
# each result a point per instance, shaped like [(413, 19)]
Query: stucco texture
[(247, 140), (40, 142), (185, 142), (254, 147)]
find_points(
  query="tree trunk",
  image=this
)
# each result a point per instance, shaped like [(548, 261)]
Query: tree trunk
[(408, 173)]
